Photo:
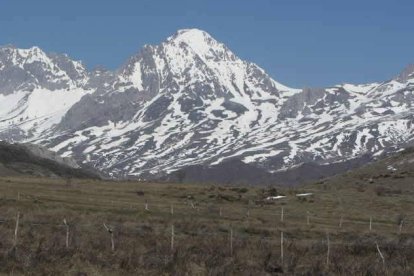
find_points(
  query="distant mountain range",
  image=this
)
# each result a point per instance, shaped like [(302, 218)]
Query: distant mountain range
[(191, 105)]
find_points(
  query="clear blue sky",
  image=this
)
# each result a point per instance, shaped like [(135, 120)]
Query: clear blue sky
[(299, 43)]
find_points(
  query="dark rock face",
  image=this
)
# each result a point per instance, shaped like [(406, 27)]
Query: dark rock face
[(192, 103), (406, 74), (232, 172), (235, 172)]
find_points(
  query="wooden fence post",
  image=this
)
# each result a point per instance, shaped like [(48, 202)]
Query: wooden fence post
[(172, 238), (380, 253), (16, 229), (146, 205), (172, 210), (67, 232), (401, 226), (370, 223), (340, 221), (111, 232), (329, 249), (281, 247), (282, 214), (231, 241)]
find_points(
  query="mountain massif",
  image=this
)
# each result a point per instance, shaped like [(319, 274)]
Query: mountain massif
[(190, 105)]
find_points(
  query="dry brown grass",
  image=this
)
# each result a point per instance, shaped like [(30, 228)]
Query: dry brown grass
[(202, 246)]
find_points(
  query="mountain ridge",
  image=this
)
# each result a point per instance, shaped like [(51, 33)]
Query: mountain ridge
[(191, 101)]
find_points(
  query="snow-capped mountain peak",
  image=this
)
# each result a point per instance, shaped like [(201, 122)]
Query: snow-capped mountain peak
[(36, 90), (28, 69), (190, 100), (202, 44), (21, 57)]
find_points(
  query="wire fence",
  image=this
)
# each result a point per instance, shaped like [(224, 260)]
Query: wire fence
[(290, 219), (232, 235), (175, 224)]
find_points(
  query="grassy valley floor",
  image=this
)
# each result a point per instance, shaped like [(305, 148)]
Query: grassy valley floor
[(216, 230)]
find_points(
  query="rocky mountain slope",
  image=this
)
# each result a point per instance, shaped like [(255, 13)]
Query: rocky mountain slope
[(30, 160), (389, 177), (190, 101)]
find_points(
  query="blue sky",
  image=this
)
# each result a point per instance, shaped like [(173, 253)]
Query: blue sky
[(299, 43)]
